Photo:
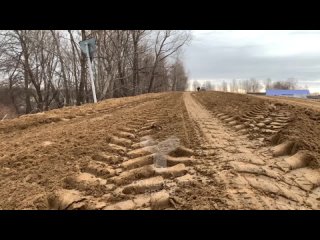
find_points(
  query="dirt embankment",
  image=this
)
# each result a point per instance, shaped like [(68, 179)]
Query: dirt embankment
[(89, 157), (206, 150), (253, 174), (275, 120)]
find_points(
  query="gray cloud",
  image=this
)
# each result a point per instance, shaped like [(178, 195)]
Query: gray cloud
[(211, 58), (304, 32)]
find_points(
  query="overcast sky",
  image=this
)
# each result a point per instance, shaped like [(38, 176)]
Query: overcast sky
[(277, 54)]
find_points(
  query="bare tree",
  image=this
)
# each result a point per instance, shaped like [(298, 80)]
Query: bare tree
[(234, 86), (268, 83), (289, 84), (292, 83), (255, 85), (224, 86), (136, 36), (64, 76), (178, 77), (208, 85), (167, 43)]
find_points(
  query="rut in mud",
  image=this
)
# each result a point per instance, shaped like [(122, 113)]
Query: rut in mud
[(255, 177), (125, 154), (161, 151)]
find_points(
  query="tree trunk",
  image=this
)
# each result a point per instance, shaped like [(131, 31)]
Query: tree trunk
[(65, 80), (121, 78), (152, 78), (80, 99), (174, 85), (135, 77), (12, 95), (75, 64), (27, 94), (29, 74), (86, 90)]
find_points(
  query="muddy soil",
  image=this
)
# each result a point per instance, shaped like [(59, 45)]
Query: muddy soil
[(275, 119), (205, 150)]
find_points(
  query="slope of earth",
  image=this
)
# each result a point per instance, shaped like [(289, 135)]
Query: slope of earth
[(178, 150), (273, 119), (257, 175), (128, 153)]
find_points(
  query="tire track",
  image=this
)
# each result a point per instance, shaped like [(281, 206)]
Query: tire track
[(255, 176), (135, 172), (263, 120)]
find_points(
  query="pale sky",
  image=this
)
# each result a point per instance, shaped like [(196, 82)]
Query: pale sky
[(218, 55)]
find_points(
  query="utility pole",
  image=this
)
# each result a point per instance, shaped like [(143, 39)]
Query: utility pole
[(88, 47), (91, 75)]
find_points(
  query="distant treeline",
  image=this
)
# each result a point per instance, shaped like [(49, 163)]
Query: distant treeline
[(251, 85)]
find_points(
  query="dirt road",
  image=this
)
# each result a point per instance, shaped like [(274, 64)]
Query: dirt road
[(253, 177), (162, 151)]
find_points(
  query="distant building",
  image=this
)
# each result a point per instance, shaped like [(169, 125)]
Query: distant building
[(288, 93)]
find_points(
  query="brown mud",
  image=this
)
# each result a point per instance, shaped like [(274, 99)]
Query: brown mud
[(206, 150)]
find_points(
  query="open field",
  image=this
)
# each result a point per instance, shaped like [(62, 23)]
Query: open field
[(182, 150)]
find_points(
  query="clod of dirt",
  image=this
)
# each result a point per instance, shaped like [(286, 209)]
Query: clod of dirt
[(174, 171), (46, 143), (104, 157), (139, 161), (160, 200), (99, 169), (134, 174), (282, 149), (141, 186), (156, 127), (31, 178), (181, 152), (299, 160), (66, 199)]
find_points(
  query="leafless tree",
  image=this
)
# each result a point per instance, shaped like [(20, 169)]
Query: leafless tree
[(167, 42), (289, 84), (251, 85), (268, 83), (178, 77), (208, 85), (234, 86), (224, 86), (255, 85)]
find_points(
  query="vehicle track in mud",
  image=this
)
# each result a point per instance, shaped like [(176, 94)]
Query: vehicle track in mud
[(156, 151), (256, 176), (130, 180), (102, 159)]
